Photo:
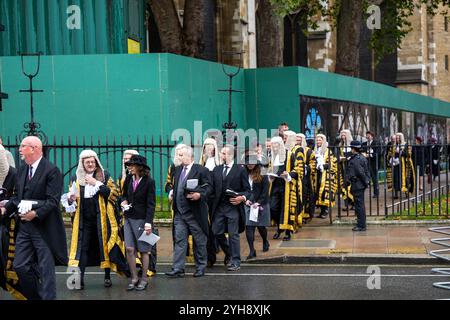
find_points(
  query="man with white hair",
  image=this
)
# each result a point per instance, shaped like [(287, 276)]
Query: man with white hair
[(41, 239), (191, 189)]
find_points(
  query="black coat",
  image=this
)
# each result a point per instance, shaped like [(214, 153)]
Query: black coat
[(377, 152), (143, 200), (45, 188), (199, 208), (9, 184), (357, 173), (237, 180), (260, 191)]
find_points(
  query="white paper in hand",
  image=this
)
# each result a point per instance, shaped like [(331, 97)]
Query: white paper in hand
[(191, 183), (254, 210), (151, 238), (74, 190)]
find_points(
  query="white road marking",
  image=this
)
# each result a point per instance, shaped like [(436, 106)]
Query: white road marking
[(363, 275)]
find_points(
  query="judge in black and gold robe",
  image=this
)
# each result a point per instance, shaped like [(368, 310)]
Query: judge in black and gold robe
[(8, 231), (285, 190), (400, 175), (309, 171), (95, 233), (345, 152), (326, 176)]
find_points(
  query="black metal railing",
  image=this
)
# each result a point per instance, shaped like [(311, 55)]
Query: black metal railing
[(429, 199)]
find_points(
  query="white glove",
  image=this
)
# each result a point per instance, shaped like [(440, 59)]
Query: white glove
[(25, 206), (435, 161)]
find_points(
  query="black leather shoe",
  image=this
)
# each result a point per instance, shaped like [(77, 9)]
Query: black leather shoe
[(266, 246), (210, 264), (359, 229), (287, 237), (107, 283), (175, 274), (251, 255), (323, 216), (226, 260), (276, 235), (199, 273)]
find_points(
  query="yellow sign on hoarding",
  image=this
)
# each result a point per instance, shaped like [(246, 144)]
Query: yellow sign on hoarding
[(133, 46)]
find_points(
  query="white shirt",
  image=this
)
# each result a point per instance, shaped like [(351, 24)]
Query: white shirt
[(188, 168), (250, 180), (229, 167), (34, 166), (210, 164)]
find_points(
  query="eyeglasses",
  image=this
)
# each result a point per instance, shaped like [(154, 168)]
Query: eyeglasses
[(89, 162)]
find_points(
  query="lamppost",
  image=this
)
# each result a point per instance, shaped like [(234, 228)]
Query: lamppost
[(32, 128), (230, 125)]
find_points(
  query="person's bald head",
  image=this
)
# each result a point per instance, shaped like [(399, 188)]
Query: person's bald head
[(30, 149)]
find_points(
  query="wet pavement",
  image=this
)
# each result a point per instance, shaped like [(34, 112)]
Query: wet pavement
[(262, 282)]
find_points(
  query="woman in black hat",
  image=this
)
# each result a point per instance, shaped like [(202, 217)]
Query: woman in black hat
[(259, 199), (139, 209)]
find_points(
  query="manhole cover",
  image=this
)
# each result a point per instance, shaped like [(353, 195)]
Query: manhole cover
[(308, 244)]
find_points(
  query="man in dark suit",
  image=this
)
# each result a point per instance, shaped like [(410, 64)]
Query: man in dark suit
[(372, 151), (190, 212), (228, 210), (41, 239)]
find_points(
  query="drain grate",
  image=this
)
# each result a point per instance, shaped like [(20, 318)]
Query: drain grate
[(308, 244)]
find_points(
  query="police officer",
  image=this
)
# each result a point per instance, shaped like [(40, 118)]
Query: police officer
[(358, 176)]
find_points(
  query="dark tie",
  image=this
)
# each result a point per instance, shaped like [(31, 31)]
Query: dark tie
[(30, 172), (224, 173), (183, 175)]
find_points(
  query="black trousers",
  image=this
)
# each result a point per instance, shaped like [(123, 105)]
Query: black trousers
[(34, 264), (360, 208), (374, 177)]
